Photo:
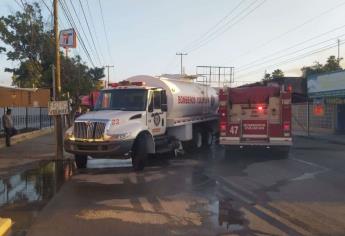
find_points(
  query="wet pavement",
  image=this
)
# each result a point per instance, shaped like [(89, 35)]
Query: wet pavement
[(24, 194), (209, 192)]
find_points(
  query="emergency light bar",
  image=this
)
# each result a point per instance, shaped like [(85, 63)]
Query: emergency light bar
[(126, 83)]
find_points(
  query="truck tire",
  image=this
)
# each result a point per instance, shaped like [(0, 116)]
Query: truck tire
[(195, 143), (207, 138), (139, 154), (197, 138), (80, 161)]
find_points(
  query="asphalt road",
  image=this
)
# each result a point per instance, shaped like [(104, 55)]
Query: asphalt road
[(209, 192)]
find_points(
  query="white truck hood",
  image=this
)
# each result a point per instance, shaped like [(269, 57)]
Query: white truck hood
[(108, 115)]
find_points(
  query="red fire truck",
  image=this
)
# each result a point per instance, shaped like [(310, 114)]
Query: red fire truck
[(255, 116)]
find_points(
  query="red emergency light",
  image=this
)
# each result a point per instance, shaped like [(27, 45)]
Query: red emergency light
[(138, 83), (128, 83), (260, 108), (222, 127), (113, 85), (286, 127)]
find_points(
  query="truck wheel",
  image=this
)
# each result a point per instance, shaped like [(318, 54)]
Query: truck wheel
[(207, 138), (80, 161), (197, 139), (195, 143), (139, 154)]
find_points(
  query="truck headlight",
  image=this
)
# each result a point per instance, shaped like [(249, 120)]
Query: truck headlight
[(69, 133), (120, 136)]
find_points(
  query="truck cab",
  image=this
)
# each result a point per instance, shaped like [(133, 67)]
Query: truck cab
[(126, 118)]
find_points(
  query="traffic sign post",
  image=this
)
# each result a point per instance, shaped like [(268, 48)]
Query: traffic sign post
[(57, 108)]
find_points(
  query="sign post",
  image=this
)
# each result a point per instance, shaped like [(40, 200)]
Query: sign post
[(57, 108)]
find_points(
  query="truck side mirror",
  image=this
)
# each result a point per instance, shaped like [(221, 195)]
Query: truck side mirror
[(150, 107), (164, 105)]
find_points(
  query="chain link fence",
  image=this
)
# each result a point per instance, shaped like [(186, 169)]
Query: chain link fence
[(304, 121), (27, 118)]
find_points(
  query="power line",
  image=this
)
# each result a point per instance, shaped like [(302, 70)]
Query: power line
[(291, 47), (289, 31), (82, 28), (94, 29), (219, 32), (291, 53), (327, 47), (88, 27), (45, 4), (214, 27), (70, 19), (105, 31), (20, 5)]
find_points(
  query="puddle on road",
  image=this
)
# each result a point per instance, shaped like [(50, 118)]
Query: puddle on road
[(24, 194), (108, 163)]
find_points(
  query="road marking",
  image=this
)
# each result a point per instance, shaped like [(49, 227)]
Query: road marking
[(261, 212), (282, 220), (239, 196), (309, 175), (257, 224), (309, 163)]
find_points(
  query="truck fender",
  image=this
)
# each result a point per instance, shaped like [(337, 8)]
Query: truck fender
[(149, 141)]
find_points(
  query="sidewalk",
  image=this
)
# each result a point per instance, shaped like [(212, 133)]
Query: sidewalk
[(27, 154), (331, 138)]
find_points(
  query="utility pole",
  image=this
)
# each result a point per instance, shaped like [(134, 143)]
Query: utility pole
[(109, 66), (181, 55), (58, 118)]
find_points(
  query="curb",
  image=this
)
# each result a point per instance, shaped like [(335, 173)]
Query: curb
[(26, 136), (321, 139), (5, 225)]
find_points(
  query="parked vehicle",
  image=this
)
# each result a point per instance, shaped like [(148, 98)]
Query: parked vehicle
[(255, 116), (145, 115)]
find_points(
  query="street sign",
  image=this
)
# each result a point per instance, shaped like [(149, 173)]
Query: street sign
[(58, 108), (68, 38)]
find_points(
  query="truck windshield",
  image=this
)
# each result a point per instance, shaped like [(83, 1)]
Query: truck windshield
[(124, 99)]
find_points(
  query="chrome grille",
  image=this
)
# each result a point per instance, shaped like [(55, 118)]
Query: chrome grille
[(89, 129)]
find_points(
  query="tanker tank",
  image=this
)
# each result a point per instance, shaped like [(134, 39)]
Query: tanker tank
[(185, 98)]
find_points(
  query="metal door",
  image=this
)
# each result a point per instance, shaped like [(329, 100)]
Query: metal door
[(341, 118)]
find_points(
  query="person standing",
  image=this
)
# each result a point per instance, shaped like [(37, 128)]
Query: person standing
[(9, 129)]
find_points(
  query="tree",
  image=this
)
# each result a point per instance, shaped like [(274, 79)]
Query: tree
[(267, 77), (24, 33), (277, 73), (332, 64), (32, 45)]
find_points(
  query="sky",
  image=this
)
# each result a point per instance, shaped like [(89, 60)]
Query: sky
[(253, 36)]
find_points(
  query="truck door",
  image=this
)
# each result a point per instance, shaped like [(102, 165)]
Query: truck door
[(156, 112)]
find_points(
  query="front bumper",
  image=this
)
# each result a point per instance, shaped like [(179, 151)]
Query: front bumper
[(99, 148), (276, 141)]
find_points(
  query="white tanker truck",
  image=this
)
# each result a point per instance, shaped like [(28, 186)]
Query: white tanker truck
[(145, 115)]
